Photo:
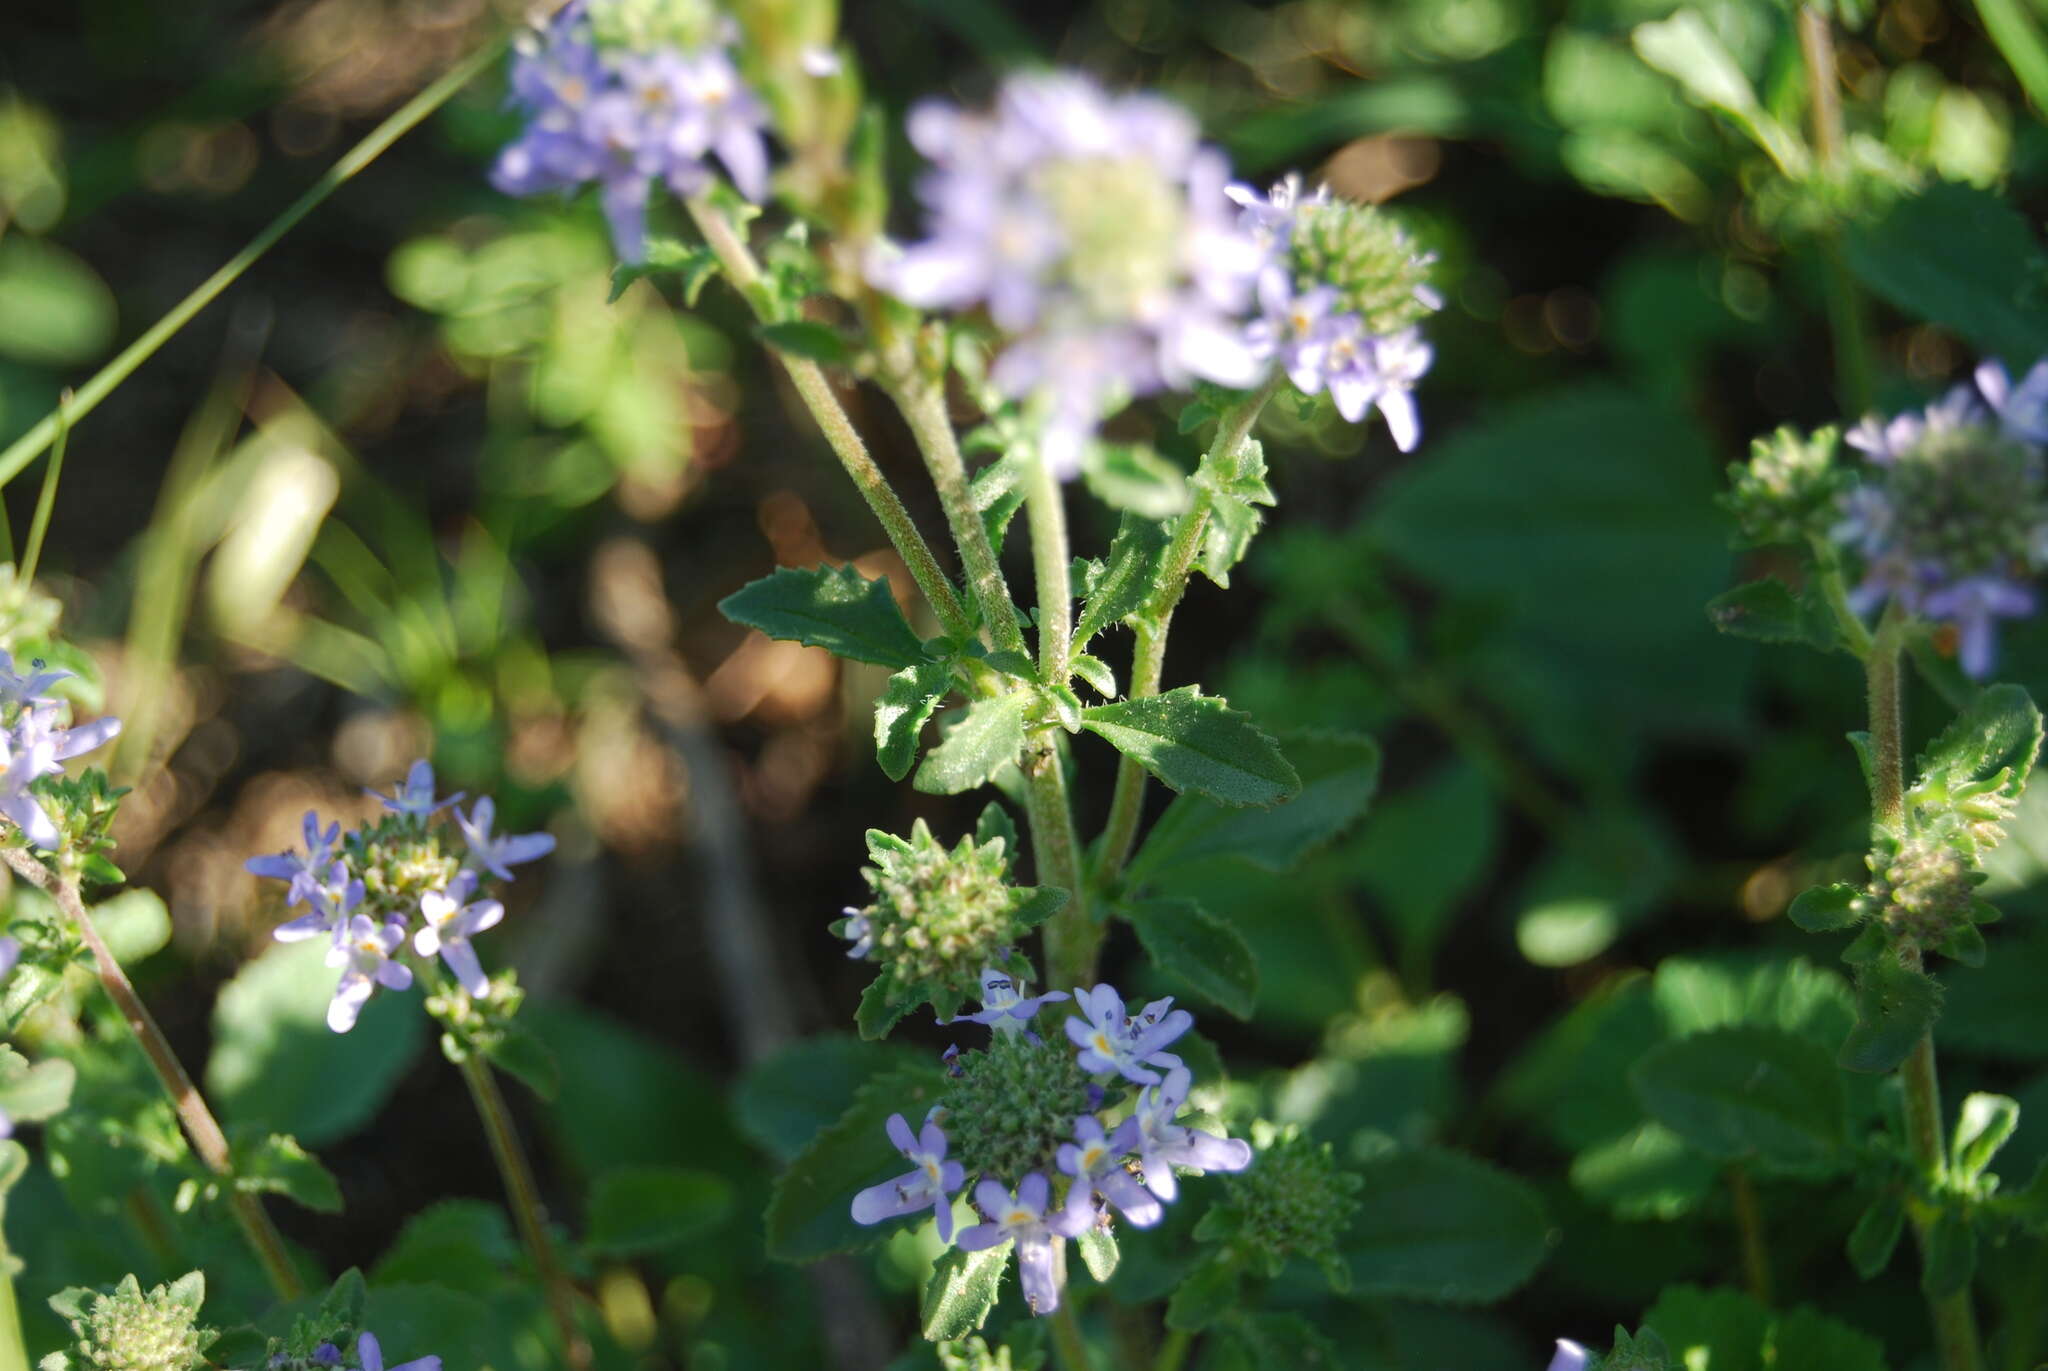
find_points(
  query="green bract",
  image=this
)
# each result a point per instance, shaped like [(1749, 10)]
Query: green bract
[(1367, 257), (1014, 1104), (1787, 491)]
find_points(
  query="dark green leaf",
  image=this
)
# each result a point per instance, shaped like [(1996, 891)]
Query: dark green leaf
[(1769, 612), (809, 339), (1118, 585), (1722, 1329), (1194, 742), (883, 1005), (1825, 908), (835, 608), (810, 1214), (1647, 1173), (1210, 1290), (1804, 1338), (784, 1099), (462, 1244), (1960, 257), (1950, 1261), (995, 822), (1283, 1342), (908, 700), (1966, 945), (1985, 1125), (1876, 1234), (1999, 732), (521, 1055), (984, 739), (1098, 1251), (1133, 477), (1338, 772), (1894, 1010), (277, 1165), (31, 1094), (1440, 1226), (962, 1290), (649, 1208), (1187, 941), (1760, 1096), (997, 493)]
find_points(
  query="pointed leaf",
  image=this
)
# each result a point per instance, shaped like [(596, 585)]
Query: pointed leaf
[(1768, 612), (1339, 772), (1825, 908), (1895, 1008), (2000, 731), (1187, 941), (1098, 1251), (1876, 1234), (908, 700), (1133, 477), (984, 740), (643, 1209), (1764, 1097), (1118, 585), (278, 1165), (807, 338), (962, 1291), (1195, 742), (1985, 1125), (1438, 1225), (810, 1212), (835, 608)]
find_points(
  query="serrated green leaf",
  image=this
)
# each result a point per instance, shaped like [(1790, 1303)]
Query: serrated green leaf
[(1438, 1225), (1763, 1097), (1961, 257), (277, 1165), (962, 1291), (900, 713), (1118, 586), (883, 1005), (1339, 773), (987, 737), (1195, 742), (1133, 477), (650, 1208), (1825, 908), (784, 1099), (1983, 1126), (1187, 941), (1950, 1260), (809, 339), (1097, 1245), (835, 608), (1767, 611), (1966, 945), (1895, 1008), (463, 1244), (997, 493), (1876, 1234), (1722, 1329), (810, 1211)]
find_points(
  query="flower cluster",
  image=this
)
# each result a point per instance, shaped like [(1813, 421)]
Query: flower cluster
[(1339, 296), (367, 891), (1951, 522), (1050, 1138), (130, 1330), (367, 1355), (34, 744), (628, 92), (1095, 230)]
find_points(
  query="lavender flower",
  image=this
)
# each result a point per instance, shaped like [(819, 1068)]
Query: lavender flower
[(1023, 1215), (365, 959), (333, 903), (1095, 231), (625, 105), (25, 690), (932, 1184), (35, 747), (858, 929), (370, 1353), (1570, 1356), (2022, 409), (1095, 1160), (451, 922), (1162, 1144), (1003, 1005), (415, 798), (496, 854), (1110, 1040), (303, 870)]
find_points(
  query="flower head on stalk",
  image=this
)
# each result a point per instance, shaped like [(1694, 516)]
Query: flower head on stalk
[(414, 798), (1341, 292), (1164, 1146), (334, 901), (625, 93), (931, 1185), (1004, 1005), (1094, 229), (1949, 518)]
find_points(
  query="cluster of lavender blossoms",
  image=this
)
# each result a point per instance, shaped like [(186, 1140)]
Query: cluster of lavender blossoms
[(1951, 518), (1098, 232), (394, 881), (1049, 1138), (34, 744), (628, 92)]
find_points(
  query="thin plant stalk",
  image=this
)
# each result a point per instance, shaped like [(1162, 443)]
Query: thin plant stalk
[(832, 420), (1071, 935), (1954, 1317), (208, 1141), (1173, 1352), (401, 121), (1066, 1338), (1749, 1219), (527, 1210), (13, 1350), (1848, 323), (46, 498)]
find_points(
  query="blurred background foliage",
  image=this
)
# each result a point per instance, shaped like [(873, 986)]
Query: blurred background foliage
[(420, 485)]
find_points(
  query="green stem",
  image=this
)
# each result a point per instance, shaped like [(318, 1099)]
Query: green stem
[(1066, 1337), (46, 498), (1749, 1218), (1072, 935), (832, 420), (1835, 590), (1954, 1316), (527, 1211), (1848, 324), (208, 1141), (1148, 659), (2016, 35), (1045, 506), (13, 1349), (1173, 1351), (401, 121)]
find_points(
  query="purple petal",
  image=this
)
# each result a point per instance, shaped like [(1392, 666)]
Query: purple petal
[(898, 1129), (462, 963), (980, 1237), (1570, 1357), (891, 1199), (1034, 1271)]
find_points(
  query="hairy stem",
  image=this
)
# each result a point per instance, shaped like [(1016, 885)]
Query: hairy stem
[(1071, 936), (1887, 723), (1045, 506), (1847, 322), (837, 426), (526, 1205), (401, 121), (1066, 1337), (1148, 659), (208, 1141)]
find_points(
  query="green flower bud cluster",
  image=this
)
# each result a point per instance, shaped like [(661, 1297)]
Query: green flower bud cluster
[(644, 25), (397, 863), (1968, 498), (128, 1330), (974, 1354), (1922, 889), (1643, 1352), (1296, 1202), (940, 916), (472, 1023), (1360, 251), (1787, 492), (1012, 1106)]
